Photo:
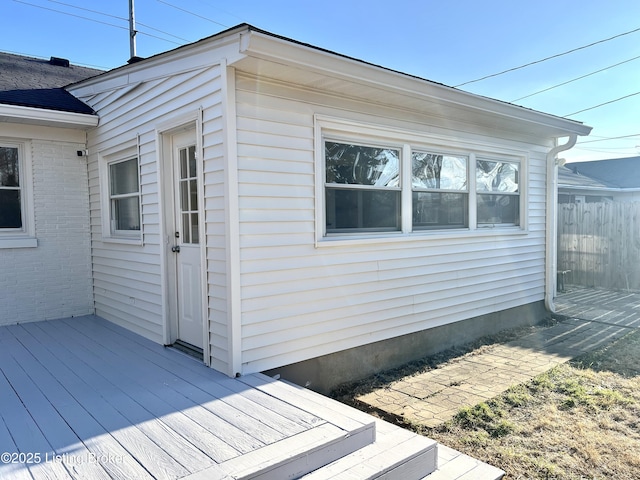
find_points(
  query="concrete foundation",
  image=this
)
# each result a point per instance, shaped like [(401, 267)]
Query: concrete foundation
[(323, 374)]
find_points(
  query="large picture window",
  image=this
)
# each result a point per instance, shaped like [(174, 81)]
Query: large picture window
[(11, 216), (362, 187), (124, 197)]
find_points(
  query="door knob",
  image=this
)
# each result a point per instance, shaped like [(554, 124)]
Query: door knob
[(176, 249)]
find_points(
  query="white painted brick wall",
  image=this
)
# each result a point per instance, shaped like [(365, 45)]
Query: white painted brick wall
[(52, 280)]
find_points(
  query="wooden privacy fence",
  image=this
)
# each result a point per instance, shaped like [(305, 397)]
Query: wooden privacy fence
[(600, 244)]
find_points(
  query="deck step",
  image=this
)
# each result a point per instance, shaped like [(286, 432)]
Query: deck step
[(453, 465), (344, 431), (397, 453)]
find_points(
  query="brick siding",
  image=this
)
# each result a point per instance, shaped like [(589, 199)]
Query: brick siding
[(52, 280)]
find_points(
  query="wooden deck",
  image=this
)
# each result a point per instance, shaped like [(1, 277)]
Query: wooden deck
[(82, 398)]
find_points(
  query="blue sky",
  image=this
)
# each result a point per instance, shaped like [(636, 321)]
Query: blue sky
[(444, 41)]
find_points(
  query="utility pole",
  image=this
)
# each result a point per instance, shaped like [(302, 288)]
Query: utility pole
[(132, 30)]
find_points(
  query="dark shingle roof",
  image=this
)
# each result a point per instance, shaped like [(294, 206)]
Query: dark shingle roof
[(33, 82), (616, 172)]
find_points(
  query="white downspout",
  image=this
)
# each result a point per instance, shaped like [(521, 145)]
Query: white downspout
[(552, 222)]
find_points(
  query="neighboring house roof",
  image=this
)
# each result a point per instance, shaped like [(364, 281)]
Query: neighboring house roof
[(614, 173), (38, 83), (567, 178)]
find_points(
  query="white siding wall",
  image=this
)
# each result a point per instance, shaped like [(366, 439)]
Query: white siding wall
[(215, 228), (128, 280), (299, 301), (52, 280)]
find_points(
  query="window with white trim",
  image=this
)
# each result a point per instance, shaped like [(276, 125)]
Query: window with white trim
[(362, 187), (124, 198), (17, 226), (11, 217), (440, 189), (498, 192), (397, 183)]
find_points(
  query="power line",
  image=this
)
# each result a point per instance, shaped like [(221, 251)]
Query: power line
[(547, 58), (191, 13), (577, 78), (118, 18), (627, 151), (601, 104), (69, 14), (88, 10), (605, 139), (94, 20)]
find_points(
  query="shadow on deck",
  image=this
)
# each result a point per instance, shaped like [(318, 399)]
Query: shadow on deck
[(83, 398)]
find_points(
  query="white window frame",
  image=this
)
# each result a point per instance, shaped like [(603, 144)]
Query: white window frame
[(24, 237), (347, 131), (521, 167), (364, 188), (109, 233), (441, 190)]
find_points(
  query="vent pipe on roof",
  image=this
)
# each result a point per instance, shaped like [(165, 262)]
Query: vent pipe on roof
[(59, 62)]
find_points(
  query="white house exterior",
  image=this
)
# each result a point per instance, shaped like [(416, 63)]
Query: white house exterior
[(321, 206), (45, 257)]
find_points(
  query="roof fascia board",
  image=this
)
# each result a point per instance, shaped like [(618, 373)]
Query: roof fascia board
[(183, 59), (40, 116), (268, 47)]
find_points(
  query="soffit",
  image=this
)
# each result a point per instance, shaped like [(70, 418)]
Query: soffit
[(308, 67)]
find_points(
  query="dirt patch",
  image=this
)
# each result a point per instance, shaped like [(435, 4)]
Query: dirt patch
[(580, 420)]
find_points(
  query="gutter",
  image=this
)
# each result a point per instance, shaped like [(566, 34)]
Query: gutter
[(41, 116), (551, 257)]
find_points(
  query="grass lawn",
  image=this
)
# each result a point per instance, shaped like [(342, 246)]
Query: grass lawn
[(577, 421)]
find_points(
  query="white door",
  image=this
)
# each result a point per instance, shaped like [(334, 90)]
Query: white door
[(186, 249)]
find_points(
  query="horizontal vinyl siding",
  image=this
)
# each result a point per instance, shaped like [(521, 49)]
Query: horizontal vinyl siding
[(215, 228), (128, 287), (299, 301)]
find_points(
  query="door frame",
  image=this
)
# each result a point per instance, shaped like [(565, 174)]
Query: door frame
[(165, 134)]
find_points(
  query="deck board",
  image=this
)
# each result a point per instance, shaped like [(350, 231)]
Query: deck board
[(319, 405), (291, 418), (200, 383), (177, 393), (87, 430), (112, 386), (111, 404), (53, 427), (133, 446), (7, 469)]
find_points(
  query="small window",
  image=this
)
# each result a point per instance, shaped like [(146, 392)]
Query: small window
[(362, 188), (124, 197), (11, 203), (498, 192), (440, 191), (188, 185)]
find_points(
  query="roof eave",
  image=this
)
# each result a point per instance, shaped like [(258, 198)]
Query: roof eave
[(263, 45), (40, 116)]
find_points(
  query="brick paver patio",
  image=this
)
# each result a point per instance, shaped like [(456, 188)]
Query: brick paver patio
[(594, 318)]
